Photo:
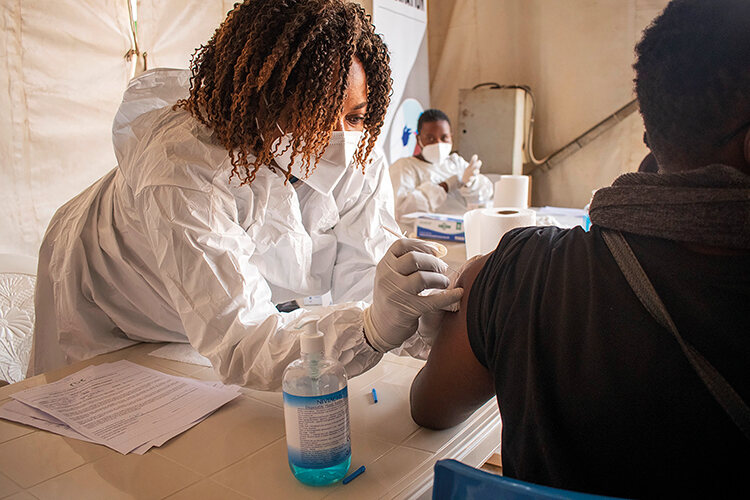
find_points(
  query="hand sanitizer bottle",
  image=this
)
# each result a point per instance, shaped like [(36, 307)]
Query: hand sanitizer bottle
[(316, 413)]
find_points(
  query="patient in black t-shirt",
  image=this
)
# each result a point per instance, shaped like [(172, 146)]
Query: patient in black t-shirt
[(594, 394)]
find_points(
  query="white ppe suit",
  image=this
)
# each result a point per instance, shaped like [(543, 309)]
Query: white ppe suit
[(165, 248), (416, 186)]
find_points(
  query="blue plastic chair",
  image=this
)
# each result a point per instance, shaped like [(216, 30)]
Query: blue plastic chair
[(454, 480)]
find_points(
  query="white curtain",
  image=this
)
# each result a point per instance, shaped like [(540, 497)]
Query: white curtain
[(64, 69)]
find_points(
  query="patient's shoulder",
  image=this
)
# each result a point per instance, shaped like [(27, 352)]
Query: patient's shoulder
[(470, 270)]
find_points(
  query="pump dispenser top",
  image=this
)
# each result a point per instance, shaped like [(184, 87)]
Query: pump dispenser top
[(311, 341)]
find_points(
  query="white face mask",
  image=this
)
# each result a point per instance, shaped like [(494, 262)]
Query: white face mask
[(332, 163), (436, 153)]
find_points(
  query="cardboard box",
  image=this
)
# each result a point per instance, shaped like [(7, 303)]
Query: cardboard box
[(440, 227)]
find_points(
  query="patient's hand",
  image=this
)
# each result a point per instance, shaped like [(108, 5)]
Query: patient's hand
[(453, 384)]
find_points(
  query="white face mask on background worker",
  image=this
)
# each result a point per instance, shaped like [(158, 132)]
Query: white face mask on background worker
[(436, 153), (436, 141)]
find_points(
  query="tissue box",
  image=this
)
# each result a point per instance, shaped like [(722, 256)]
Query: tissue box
[(440, 227)]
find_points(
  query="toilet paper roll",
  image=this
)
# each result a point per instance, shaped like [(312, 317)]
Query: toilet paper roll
[(512, 191), (486, 226)]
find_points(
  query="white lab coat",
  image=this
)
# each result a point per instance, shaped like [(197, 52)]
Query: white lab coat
[(416, 186), (166, 248)]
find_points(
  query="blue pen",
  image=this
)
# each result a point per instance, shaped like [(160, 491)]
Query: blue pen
[(374, 396), (353, 475)]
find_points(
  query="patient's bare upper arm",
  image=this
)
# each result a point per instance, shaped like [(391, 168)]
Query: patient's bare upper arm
[(453, 383)]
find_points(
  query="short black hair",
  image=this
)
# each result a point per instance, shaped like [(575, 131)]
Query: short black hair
[(431, 115), (693, 77)]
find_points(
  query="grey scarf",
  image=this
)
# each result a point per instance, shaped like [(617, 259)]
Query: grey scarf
[(709, 205)]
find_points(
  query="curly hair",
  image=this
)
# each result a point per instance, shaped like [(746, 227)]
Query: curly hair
[(693, 78), (286, 59)]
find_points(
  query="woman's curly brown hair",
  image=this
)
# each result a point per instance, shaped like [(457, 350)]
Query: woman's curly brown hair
[(286, 58)]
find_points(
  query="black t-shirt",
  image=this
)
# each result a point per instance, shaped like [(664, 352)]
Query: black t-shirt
[(594, 395)]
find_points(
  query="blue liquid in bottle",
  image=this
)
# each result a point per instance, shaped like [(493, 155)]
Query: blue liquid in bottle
[(316, 414)]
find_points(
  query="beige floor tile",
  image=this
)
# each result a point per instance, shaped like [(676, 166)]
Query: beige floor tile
[(364, 381), (7, 390), (432, 441), (207, 490), (272, 398), (7, 487), (277, 480), (366, 449), (382, 474), (21, 495), (205, 373), (39, 456), (11, 430), (266, 475), (392, 407), (119, 476), (238, 429), (175, 367), (361, 384)]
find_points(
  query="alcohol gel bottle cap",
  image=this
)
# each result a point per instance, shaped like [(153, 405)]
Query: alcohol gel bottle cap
[(311, 341)]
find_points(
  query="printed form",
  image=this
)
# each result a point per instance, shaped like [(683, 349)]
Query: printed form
[(122, 405)]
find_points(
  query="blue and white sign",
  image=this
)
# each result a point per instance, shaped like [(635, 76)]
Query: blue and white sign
[(404, 129)]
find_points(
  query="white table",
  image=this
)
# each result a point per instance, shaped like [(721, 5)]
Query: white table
[(240, 451)]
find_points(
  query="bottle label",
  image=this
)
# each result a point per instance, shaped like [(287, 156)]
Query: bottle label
[(317, 429)]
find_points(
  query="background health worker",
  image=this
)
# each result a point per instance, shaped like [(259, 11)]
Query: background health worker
[(210, 219), (436, 180)]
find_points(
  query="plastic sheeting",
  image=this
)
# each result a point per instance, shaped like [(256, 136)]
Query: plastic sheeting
[(169, 31), (64, 70)]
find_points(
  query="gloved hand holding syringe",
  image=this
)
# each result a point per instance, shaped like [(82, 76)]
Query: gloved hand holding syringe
[(442, 251), (409, 268)]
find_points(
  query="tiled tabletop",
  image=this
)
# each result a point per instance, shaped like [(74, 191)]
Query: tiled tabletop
[(240, 451)]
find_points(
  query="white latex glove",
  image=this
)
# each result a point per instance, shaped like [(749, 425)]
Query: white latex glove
[(471, 170), (408, 268), (431, 322), (453, 182)]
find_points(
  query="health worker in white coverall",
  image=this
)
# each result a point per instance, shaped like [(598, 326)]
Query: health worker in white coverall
[(436, 180), (245, 183)]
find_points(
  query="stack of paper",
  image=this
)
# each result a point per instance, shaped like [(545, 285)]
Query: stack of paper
[(122, 405)]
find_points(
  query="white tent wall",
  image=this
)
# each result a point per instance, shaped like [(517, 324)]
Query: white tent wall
[(576, 55), (169, 31), (64, 71)]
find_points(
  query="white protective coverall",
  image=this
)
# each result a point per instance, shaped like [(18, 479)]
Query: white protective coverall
[(165, 248), (416, 186)]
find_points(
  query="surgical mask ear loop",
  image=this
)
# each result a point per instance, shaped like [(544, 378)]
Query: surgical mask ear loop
[(257, 124)]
